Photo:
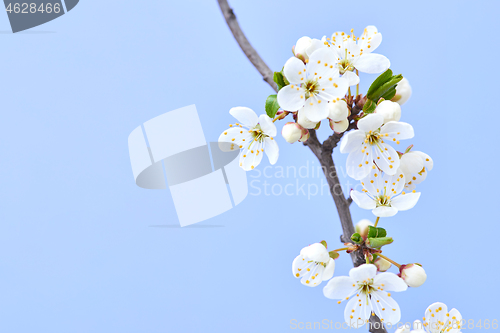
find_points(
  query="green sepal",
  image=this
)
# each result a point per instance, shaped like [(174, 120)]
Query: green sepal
[(333, 254), (356, 238), (369, 106), (374, 232), (272, 106), (378, 242), (324, 243)]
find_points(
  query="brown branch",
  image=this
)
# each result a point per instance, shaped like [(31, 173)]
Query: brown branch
[(323, 152), (245, 46)]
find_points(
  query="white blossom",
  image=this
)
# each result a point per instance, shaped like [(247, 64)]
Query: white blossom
[(254, 135), (312, 85), (368, 145), (415, 165), (370, 293), (356, 53), (313, 265), (437, 319), (382, 193)]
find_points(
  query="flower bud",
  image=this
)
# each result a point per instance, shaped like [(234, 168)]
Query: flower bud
[(362, 227), (403, 92), (305, 135), (300, 48), (390, 110), (291, 132), (382, 264), (339, 126), (338, 110), (413, 274), (304, 122)]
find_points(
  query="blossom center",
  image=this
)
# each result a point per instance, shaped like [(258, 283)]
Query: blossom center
[(366, 287), (257, 133), (373, 138), (383, 200), (345, 65), (311, 87)]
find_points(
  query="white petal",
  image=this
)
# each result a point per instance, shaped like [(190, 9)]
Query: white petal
[(369, 46), (390, 282), (428, 162), (291, 98), (233, 138), (271, 149), (316, 44), (313, 276), (340, 287), (338, 111), (405, 201), (372, 63), (333, 89), (397, 130), (340, 126), (323, 62), (352, 140), (294, 70), (246, 116), (360, 162), (384, 211), (386, 158), (303, 121), (251, 157), (434, 315), (413, 161), (363, 272), (363, 200), (351, 78), (315, 109), (297, 265), (371, 122), (329, 270), (387, 309), (357, 311), (454, 321), (301, 46), (316, 252), (267, 125)]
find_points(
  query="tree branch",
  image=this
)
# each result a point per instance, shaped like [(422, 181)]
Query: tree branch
[(323, 152)]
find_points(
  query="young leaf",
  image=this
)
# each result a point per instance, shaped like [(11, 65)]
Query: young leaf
[(379, 81), (272, 106), (324, 243), (376, 232), (369, 106), (279, 79), (378, 242), (356, 238)]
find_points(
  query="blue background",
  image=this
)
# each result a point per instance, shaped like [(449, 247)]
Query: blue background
[(78, 248)]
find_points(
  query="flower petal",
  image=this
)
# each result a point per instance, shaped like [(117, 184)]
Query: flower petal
[(251, 155), (387, 158), (333, 89), (405, 201), (291, 98), (397, 130), (428, 162), (271, 149), (363, 200), (386, 308), (384, 211), (351, 78), (434, 316), (323, 63), (267, 125), (313, 276), (340, 287), (454, 321), (363, 272), (389, 282), (352, 140), (357, 311), (360, 162), (315, 109), (413, 162), (233, 138), (372, 63), (371, 122), (246, 116), (294, 70), (329, 270)]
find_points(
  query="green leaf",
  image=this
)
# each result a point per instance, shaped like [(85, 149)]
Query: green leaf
[(386, 89), (279, 78), (333, 254), (324, 243), (378, 242), (376, 232), (272, 106), (356, 238), (379, 81), (369, 106)]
